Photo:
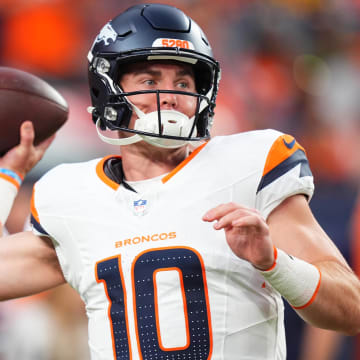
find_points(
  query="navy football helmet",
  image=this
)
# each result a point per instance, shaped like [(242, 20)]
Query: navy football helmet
[(151, 32)]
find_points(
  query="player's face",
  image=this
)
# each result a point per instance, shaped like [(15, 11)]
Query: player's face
[(161, 76)]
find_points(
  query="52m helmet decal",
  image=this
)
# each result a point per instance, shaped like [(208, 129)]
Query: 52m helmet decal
[(151, 32)]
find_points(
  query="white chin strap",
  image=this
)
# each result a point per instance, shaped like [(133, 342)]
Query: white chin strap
[(173, 123)]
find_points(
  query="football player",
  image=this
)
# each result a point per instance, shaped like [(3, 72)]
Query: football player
[(179, 253)]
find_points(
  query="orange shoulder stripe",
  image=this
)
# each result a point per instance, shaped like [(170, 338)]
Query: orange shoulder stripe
[(283, 147), (101, 173)]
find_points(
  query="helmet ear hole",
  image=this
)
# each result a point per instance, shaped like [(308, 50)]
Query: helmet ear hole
[(123, 116)]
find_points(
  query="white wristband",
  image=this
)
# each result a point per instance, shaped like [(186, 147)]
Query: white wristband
[(8, 192), (296, 280)]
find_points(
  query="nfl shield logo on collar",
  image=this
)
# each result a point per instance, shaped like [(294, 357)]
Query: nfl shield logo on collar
[(140, 206)]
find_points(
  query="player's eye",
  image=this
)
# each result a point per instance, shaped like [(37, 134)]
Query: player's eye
[(149, 82), (183, 84)]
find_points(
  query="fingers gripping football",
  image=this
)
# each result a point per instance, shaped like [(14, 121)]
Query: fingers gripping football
[(246, 233)]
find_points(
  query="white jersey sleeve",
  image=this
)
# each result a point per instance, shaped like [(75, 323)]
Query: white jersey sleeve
[(53, 203)]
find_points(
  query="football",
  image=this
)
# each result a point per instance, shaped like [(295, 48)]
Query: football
[(24, 96)]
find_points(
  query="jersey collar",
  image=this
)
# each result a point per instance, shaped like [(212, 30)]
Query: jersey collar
[(114, 177)]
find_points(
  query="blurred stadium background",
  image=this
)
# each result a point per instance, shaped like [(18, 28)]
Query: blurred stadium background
[(293, 65)]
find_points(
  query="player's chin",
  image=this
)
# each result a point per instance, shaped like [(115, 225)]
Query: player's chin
[(154, 150)]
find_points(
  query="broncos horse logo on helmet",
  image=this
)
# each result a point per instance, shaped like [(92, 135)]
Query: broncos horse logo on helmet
[(151, 32), (107, 33)]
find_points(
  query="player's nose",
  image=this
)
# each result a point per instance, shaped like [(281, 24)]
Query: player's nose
[(168, 100)]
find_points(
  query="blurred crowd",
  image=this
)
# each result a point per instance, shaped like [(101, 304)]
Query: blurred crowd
[(292, 65)]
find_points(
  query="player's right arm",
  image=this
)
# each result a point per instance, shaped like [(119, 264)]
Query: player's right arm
[(28, 265)]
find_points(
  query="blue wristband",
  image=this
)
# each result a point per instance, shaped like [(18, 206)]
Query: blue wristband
[(12, 174)]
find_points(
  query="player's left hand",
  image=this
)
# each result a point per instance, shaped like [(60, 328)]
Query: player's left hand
[(23, 157), (246, 232)]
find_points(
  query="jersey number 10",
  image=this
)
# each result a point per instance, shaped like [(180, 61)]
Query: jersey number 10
[(189, 265)]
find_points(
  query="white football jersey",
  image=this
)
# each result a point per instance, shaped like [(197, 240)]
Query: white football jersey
[(159, 282)]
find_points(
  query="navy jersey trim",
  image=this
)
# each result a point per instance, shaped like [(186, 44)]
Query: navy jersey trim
[(298, 157), (114, 171), (37, 226)]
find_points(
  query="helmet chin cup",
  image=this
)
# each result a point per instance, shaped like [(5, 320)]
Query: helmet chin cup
[(171, 122), (116, 141)]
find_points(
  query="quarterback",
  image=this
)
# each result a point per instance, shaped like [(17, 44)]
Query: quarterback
[(183, 246)]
